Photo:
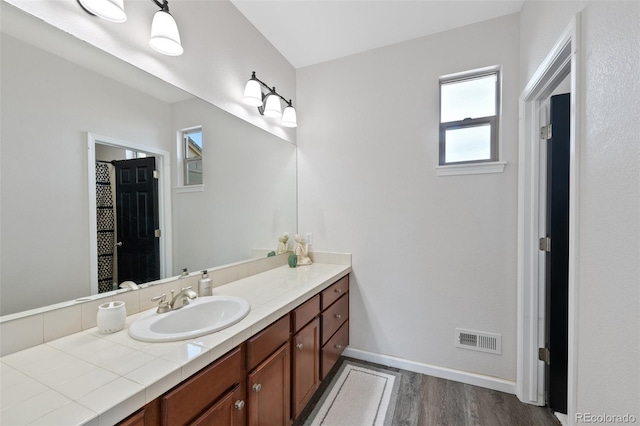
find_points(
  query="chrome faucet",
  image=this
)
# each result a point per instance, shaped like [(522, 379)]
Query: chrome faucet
[(181, 299)]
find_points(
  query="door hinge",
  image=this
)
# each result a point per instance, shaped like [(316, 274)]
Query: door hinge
[(545, 244), (544, 355), (156, 174), (546, 132), (157, 233)]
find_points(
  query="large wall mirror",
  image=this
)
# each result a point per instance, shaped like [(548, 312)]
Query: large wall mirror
[(78, 126)]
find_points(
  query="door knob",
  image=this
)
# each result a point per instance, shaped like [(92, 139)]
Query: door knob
[(119, 243), (257, 387), (338, 290), (239, 404), (338, 347), (299, 346), (338, 316)]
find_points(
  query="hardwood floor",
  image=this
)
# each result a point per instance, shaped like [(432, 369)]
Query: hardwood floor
[(430, 401)]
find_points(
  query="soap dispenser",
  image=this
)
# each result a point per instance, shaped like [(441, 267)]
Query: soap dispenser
[(204, 285)]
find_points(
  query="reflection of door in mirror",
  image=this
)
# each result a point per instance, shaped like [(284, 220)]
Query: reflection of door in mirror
[(128, 217), (138, 220)]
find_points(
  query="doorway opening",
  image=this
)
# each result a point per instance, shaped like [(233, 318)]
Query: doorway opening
[(129, 206), (561, 63)]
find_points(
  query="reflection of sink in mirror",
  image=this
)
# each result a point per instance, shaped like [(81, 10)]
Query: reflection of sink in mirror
[(203, 315)]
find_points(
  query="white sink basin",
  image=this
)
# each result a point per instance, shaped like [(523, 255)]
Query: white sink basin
[(202, 316)]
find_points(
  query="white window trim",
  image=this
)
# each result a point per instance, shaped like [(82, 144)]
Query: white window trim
[(471, 168)]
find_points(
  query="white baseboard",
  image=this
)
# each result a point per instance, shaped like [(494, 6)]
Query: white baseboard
[(435, 371)]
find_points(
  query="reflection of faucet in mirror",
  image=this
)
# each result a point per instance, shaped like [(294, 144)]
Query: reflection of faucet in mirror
[(181, 299), (129, 285)]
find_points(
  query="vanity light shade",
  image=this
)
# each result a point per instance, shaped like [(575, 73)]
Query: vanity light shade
[(111, 10), (289, 117), (272, 107), (252, 93), (165, 37)]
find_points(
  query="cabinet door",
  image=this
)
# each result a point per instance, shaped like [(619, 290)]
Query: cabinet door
[(306, 365), (268, 390), (228, 411)]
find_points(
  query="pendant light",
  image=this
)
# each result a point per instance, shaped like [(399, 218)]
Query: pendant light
[(272, 106), (165, 37), (110, 10), (289, 118), (253, 92)]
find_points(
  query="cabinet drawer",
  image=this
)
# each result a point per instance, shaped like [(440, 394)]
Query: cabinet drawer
[(182, 404), (334, 317), (333, 293), (305, 313), (333, 348), (267, 341)]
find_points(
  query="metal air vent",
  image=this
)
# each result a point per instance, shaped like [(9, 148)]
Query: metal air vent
[(479, 341)]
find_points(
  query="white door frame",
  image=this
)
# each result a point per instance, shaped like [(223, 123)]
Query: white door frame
[(561, 60), (164, 201)]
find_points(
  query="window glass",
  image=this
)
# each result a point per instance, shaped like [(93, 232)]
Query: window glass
[(193, 157), (472, 98), (468, 144)]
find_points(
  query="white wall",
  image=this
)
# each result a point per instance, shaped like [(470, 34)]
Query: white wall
[(48, 105), (429, 253), (249, 195), (221, 49), (609, 193)]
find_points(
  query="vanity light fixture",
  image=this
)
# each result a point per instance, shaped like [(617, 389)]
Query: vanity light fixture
[(111, 10), (165, 37), (269, 103)]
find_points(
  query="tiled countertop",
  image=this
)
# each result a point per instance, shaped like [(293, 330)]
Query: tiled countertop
[(99, 379)]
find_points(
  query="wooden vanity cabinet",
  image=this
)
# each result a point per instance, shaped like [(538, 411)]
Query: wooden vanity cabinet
[(334, 324), (196, 399), (269, 378), (305, 366)]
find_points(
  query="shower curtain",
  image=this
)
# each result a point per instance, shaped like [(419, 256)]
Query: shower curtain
[(106, 226)]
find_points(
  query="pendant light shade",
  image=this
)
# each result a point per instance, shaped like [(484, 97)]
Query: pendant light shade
[(165, 37), (272, 107), (289, 118), (252, 93), (111, 10)]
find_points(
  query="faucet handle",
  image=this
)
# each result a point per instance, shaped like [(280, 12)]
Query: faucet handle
[(186, 288), (161, 298), (163, 305)]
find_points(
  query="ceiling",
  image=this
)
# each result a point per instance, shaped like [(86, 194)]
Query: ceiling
[(308, 32)]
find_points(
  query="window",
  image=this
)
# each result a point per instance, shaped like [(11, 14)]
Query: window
[(192, 149), (469, 113)]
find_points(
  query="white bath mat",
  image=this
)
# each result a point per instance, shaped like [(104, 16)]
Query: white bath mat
[(357, 396)]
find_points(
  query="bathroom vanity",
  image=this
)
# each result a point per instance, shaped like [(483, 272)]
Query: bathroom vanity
[(267, 379), (262, 370)]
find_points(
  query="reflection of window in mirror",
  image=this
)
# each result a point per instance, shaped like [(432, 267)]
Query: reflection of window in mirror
[(192, 156)]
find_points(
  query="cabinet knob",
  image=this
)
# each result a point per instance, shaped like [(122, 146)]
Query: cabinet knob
[(338, 346), (299, 346), (239, 404), (338, 316), (257, 387), (338, 290)]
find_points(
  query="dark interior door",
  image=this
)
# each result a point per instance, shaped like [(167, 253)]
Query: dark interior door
[(557, 259), (138, 219)]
